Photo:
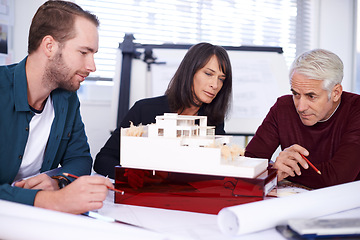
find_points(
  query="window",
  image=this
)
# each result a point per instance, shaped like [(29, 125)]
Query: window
[(210, 131), (186, 133), (283, 23)]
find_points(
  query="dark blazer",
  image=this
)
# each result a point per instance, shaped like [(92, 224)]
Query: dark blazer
[(144, 111)]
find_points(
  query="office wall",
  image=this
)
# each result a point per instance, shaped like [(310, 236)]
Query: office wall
[(334, 29), (336, 32), (24, 11)]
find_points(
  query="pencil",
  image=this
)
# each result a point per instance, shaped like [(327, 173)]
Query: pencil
[(311, 165), (111, 188)]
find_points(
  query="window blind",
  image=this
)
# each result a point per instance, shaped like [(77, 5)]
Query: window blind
[(282, 23)]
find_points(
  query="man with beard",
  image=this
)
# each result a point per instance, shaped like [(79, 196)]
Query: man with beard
[(40, 123)]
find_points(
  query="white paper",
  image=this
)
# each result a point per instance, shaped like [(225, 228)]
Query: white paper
[(266, 214), (19, 221)]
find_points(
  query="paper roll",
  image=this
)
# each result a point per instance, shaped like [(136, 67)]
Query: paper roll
[(252, 217)]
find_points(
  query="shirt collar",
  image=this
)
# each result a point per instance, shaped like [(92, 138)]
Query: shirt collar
[(20, 87), (332, 113)]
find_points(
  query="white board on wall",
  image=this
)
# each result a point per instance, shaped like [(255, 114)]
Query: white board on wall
[(259, 78)]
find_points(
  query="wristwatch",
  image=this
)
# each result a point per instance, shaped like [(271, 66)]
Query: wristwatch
[(61, 180)]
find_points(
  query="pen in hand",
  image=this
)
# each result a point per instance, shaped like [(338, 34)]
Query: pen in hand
[(111, 188), (311, 165)]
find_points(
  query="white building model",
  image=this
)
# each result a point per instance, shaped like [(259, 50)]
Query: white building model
[(175, 143)]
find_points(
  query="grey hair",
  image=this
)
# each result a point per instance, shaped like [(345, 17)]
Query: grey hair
[(319, 64)]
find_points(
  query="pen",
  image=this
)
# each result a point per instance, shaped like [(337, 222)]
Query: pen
[(111, 188), (311, 165), (96, 215)]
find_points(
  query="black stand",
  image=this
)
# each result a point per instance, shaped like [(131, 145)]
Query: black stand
[(128, 53)]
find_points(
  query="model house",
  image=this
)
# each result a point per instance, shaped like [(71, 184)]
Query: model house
[(178, 143)]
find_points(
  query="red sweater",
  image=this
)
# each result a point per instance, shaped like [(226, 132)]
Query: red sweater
[(334, 145)]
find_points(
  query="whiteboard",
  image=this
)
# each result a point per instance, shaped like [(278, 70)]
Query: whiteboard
[(259, 78)]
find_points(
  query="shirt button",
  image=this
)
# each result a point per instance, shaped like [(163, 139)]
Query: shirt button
[(68, 134), (20, 156), (26, 129)]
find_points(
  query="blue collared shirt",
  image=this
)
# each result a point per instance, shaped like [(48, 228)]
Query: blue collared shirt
[(67, 144)]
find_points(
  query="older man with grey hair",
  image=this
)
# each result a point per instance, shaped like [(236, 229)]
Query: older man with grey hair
[(319, 121)]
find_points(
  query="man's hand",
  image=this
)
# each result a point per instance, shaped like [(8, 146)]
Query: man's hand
[(84, 194), (41, 181), (287, 163)]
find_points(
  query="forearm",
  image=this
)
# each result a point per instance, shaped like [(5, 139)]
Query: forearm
[(265, 141), (77, 165), (109, 156), (105, 163), (48, 200), (19, 195), (260, 147)]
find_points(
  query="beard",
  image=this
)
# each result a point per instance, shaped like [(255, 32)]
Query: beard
[(58, 74)]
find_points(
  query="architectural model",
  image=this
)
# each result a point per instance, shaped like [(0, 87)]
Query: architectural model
[(181, 143)]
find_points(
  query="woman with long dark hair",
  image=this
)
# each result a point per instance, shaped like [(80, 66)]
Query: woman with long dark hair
[(202, 85)]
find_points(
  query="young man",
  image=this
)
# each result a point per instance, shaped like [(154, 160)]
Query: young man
[(40, 122), (319, 121)]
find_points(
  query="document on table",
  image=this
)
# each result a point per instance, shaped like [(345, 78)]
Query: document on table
[(326, 227), (286, 188), (266, 214)]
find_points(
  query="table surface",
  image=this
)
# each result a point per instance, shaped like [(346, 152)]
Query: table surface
[(187, 224), (19, 221)]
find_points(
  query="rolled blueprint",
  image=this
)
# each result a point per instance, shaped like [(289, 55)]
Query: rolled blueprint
[(252, 217)]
